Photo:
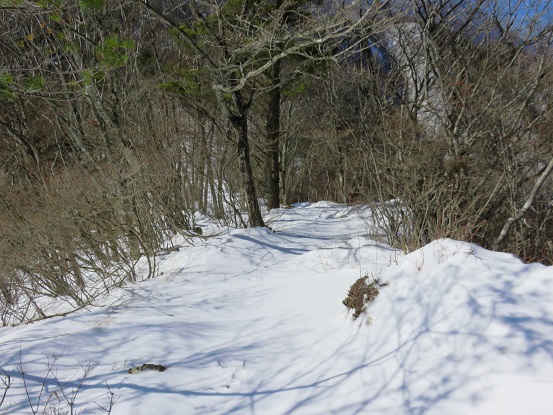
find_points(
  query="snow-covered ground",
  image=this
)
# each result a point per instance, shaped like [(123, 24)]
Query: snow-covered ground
[(252, 322)]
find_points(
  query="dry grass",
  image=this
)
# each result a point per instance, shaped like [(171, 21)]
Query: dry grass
[(361, 293)]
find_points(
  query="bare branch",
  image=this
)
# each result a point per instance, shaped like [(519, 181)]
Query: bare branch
[(522, 212)]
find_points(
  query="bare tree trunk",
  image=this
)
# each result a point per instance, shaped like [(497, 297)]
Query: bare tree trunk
[(272, 185), (240, 123)]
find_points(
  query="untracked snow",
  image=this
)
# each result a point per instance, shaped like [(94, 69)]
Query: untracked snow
[(252, 322)]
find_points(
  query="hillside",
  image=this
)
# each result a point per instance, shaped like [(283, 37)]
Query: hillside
[(252, 322)]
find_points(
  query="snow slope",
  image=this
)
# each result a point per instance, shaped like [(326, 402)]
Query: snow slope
[(251, 322)]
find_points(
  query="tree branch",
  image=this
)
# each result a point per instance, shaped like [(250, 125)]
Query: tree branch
[(522, 212)]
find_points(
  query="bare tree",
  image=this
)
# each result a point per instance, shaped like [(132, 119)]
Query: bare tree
[(240, 42)]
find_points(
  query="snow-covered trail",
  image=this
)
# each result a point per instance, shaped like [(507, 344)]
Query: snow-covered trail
[(237, 320), (251, 322)]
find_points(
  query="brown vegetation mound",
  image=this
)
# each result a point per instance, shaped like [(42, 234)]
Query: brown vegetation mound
[(361, 293)]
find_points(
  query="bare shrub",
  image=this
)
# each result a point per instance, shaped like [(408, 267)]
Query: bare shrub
[(6, 381), (53, 395), (86, 234)]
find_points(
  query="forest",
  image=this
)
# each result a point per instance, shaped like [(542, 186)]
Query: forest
[(121, 120)]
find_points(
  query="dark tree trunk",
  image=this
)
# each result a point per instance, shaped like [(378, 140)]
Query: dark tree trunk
[(272, 177), (240, 123)]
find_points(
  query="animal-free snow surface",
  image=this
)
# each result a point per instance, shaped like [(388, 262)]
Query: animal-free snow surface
[(252, 322)]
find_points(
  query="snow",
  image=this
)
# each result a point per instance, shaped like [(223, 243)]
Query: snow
[(252, 322)]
